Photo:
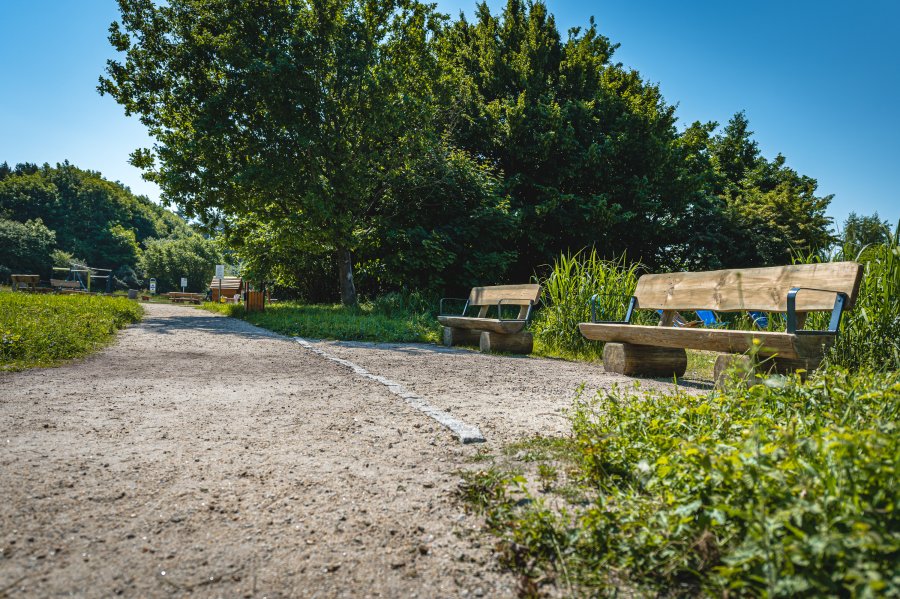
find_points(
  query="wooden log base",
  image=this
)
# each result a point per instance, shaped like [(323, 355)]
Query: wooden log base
[(742, 366), (455, 336), (518, 343), (644, 360)]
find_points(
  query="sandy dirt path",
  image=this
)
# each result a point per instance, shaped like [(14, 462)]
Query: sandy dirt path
[(202, 456)]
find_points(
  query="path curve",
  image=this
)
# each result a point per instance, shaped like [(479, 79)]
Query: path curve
[(202, 455)]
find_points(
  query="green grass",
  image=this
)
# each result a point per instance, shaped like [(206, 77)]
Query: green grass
[(369, 322), (43, 330), (781, 489), (566, 301)]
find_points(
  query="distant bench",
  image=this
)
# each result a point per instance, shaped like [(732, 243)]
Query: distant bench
[(492, 334), (25, 282), (179, 297), (63, 284), (793, 290)]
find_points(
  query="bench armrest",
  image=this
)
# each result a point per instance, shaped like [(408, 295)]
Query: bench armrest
[(453, 299), (632, 303), (840, 301), (500, 311)]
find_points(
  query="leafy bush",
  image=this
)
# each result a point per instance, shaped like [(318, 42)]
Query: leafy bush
[(40, 330), (566, 298), (783, 489), (167, 260), (870, 334), (25, 248)]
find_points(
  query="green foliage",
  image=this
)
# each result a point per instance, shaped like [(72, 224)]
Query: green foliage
[(25, 248), (769, 212), (41, 330), (780, 489), (588, 151), (319, 102), (566, 297), (436, 154), (366, 322), (442, 225), (870, 333), (862, 231), (100, 221), (167, 260)]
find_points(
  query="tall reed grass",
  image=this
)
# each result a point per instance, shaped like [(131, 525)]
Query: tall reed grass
[(566, 300), (870, 333)]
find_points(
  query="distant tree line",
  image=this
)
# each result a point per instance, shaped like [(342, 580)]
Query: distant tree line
[(380, 144), (56, 216)]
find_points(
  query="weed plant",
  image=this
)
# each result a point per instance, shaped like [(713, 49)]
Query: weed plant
[(781, 489), (395, 318), (870, 333), (566, 300), (42, 330)]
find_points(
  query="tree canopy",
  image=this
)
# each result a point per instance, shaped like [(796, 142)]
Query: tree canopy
[(437, 153), (53, 216), (97, 220)]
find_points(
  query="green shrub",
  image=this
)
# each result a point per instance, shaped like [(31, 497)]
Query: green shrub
[(566, 300), (41, 330), (783, 489), (870, 333), (25, 248)]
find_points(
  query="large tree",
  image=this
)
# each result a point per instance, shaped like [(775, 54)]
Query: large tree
[(588, 151), (286, 111)]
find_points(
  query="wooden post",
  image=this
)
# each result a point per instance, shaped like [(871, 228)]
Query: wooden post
[(646, 360)]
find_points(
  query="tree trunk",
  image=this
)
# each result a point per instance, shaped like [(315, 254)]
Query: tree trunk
[(345, 269)]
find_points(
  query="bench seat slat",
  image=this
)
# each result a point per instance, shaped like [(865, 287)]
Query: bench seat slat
[(503, 327), (783, 344)]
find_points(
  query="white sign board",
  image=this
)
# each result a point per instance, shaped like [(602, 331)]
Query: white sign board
[(183, 283), (220, 271), (152, 285)]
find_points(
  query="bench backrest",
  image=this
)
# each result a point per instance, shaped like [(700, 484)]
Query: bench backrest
[(762, 289), (511, 295), (516, 295)]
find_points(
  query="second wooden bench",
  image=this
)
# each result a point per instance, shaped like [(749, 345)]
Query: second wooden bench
[(492, 334), (793, 290)]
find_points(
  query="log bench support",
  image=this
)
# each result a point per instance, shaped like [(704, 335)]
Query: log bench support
[(516, 343), (456, 336), (645, 360)]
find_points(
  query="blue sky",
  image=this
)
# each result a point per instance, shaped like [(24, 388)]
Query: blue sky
[(820, 82)]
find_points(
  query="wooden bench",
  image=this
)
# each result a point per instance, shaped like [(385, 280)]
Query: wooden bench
[(492, 334), (793, 290), (178, 297), (25, 282)]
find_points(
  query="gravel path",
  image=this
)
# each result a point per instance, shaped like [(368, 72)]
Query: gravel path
[(200, 455)]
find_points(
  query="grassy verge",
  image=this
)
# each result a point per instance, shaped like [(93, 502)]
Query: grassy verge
[(365, 323), (42, 330), (782, 489)]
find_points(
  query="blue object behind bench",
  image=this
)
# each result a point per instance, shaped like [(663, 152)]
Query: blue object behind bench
[(760, 319), (710, 319)]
